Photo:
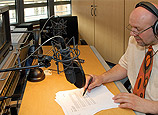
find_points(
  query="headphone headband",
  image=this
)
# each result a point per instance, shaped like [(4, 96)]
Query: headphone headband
[(149, 6)]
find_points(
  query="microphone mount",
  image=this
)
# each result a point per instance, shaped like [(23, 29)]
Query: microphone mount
[(59, 52), (69, 57)]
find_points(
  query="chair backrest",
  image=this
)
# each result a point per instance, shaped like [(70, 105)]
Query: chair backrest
[(67, 27)]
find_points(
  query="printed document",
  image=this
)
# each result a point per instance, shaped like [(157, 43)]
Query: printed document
[(73, 103)]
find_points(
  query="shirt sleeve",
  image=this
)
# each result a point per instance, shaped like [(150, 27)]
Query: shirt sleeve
[(124, 59)]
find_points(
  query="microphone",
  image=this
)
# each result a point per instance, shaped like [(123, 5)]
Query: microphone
[(72, 68)]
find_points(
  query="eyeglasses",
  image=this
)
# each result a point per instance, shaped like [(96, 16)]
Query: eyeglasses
[(137, 32)]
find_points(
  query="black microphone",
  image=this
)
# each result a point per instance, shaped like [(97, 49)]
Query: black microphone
[(72, 68)]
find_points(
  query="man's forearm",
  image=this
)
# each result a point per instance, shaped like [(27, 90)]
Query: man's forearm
[(152, 107), (114, 74)]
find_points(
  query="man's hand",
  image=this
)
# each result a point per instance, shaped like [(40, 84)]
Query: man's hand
[(114, 74), (134, 102), (96, 81)]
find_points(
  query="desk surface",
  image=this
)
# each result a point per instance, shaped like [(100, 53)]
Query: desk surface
[(39, 97)]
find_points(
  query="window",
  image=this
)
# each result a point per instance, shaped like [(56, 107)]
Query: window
[(12, 15), (62, 10), (62, 7), (33, 10), (12, 12)]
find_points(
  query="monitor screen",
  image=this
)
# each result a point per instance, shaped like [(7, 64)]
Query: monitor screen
[(2, 33), (5, 36)]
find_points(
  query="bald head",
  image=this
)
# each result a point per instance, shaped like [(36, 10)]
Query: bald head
[(141, 21), (142, 16)]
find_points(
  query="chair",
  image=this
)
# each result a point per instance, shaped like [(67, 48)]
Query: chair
[(67, 27)]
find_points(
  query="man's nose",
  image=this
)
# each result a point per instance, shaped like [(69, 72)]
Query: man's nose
[(132, 33)]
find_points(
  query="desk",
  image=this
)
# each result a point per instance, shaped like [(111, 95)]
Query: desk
[(39, 97)]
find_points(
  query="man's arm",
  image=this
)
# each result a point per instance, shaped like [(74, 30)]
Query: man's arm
[(114, 74), (134, 102)]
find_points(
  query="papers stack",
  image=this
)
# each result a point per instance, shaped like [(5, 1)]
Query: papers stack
[(73, 103)]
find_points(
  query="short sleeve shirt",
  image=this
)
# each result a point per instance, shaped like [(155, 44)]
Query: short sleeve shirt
[(132, 60)]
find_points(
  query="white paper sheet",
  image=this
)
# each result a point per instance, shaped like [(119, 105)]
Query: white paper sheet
[(73, 103)]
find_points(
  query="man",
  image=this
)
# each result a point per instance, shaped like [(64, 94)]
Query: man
[(141, 22)]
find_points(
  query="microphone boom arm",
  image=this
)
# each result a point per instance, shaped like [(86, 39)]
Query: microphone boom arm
[(21, 68)]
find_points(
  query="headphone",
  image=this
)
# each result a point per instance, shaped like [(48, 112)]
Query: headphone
[(150, 7)]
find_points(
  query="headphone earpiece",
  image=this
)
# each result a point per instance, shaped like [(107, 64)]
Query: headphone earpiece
[(150, 7), (155, 28)]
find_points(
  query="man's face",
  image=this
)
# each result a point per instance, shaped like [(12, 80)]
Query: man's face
[(141, 29), (142, 37)]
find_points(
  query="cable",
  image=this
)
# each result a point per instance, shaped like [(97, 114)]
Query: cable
[(59, 54), (33, 52), (152, 55), (46, 23), (55, 51), (38, 49), (156, 36), (24, 46)]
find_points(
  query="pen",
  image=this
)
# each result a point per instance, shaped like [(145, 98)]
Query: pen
[(87, 86)]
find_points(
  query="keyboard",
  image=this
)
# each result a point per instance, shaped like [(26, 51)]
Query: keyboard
[(18, 37)]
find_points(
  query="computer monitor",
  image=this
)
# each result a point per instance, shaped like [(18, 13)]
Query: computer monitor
[(5, 36)]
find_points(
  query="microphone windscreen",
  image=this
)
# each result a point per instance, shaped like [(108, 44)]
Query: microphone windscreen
[(80, 76)]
